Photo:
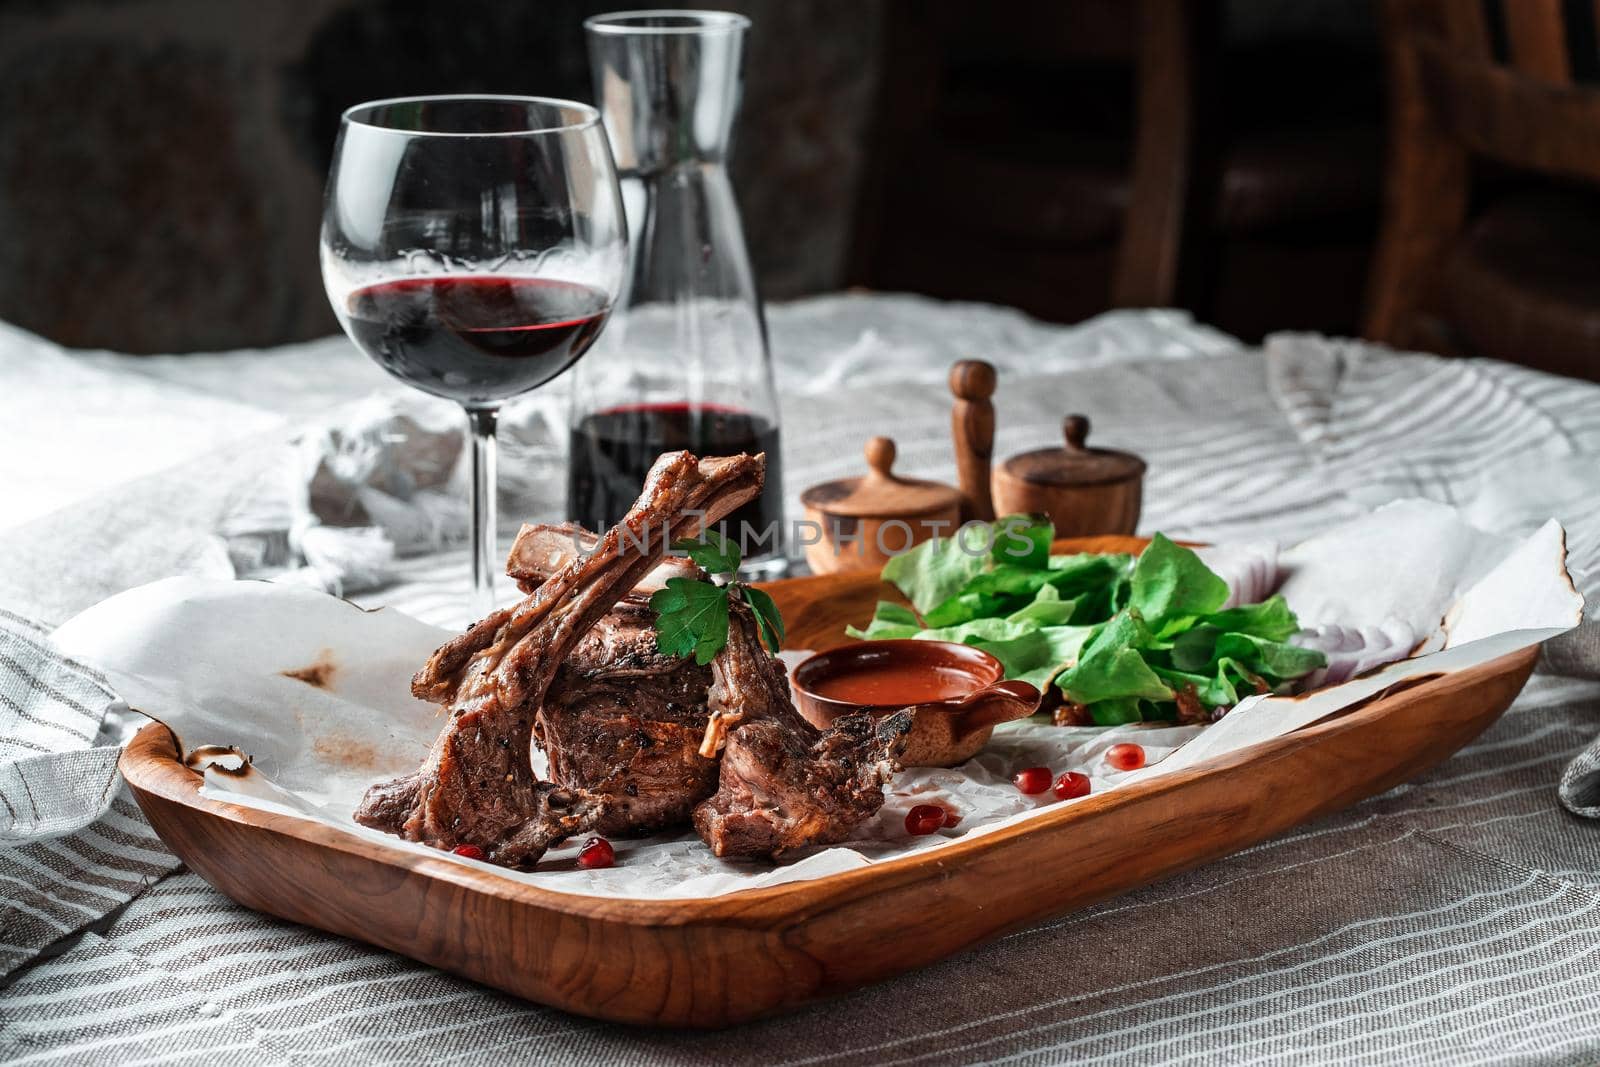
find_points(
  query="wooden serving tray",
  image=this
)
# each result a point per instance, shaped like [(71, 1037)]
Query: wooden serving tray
[(714, 962)]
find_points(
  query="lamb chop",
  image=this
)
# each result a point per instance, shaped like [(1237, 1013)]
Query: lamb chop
[(782, 783), (543, 550), (621, 719), (625, 721), (632, 735), (477, 785)]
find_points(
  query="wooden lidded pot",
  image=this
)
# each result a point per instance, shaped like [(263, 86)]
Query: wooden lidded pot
[(865, 521), (1085, 491)]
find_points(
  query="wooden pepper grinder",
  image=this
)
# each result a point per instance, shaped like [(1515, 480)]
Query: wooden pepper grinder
[(972, 428), (1085, 491)]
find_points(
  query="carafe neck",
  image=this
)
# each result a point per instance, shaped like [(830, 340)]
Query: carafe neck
[(669, 94)]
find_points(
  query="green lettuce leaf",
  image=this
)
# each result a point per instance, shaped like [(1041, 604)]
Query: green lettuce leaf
[(1023, 541), (1099, 583), (1047, 608), (1212, 690), (1194, 651), (937, 570), (1270, 619), (1120, 635), (1171, 585), (1087, 569), (1198, 651), (975, 631), (1007, 580), (1027, 650), (1273, 660), (966, 607), (889, 620), (1117, 710), (1037, 656), (1111, 665)]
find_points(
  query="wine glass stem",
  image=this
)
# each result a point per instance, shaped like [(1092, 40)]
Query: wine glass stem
[(485, 558)]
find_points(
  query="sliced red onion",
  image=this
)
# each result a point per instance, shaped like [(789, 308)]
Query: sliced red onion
[(1352, 651)]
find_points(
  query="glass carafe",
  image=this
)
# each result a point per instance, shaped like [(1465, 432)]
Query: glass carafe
[(684, 363)]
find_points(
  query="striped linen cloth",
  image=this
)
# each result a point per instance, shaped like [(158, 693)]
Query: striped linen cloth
[(1452, 920)]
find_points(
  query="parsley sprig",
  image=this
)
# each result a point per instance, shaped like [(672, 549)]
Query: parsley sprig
[(692, 615)]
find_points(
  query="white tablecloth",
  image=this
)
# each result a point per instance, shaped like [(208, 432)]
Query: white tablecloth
[(1451, 920)]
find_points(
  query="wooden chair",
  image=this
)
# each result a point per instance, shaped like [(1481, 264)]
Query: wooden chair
[(1508, 267), (1164, 193), (1140, 165), (1073, 216)]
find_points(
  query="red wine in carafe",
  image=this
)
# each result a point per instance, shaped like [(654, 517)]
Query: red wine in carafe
[(613, 450), (476, 338)]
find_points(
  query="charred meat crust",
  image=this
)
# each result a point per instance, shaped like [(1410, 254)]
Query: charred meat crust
[(624, 721), (477, 785), (782, 785), (776, 793)]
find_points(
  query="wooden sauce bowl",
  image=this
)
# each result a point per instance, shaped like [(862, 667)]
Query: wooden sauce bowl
[(944, 732)]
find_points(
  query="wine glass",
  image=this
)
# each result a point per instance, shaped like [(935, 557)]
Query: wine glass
[(473, 247)]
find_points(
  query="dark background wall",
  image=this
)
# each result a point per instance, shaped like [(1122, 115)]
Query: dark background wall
[(161, 161)]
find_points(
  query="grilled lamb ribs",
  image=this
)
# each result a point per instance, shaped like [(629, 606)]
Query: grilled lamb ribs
[(632, 736), (477, 785)]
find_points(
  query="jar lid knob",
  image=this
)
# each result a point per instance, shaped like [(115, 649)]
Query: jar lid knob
[(880, 453), (1075, 428)]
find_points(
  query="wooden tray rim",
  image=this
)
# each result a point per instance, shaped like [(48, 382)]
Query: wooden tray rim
[(150, 763)]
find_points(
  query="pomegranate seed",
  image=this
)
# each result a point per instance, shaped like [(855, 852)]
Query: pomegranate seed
[(951, 818), (924, 819), (596, 853), (471, 852), (1125, 757), (1072, 784), (1032, 780)]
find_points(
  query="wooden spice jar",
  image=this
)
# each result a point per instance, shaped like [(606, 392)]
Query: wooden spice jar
[(1085, 491), (864, 521)]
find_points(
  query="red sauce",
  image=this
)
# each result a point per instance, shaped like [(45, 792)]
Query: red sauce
[(896, 684)]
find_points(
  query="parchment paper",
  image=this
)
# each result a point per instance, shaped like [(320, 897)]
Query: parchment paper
[(316, 690)]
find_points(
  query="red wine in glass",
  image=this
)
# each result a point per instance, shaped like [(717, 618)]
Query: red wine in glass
[(613, 449), (476, 337)]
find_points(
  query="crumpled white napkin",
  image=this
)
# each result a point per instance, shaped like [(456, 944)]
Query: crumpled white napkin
[(383, 479)]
